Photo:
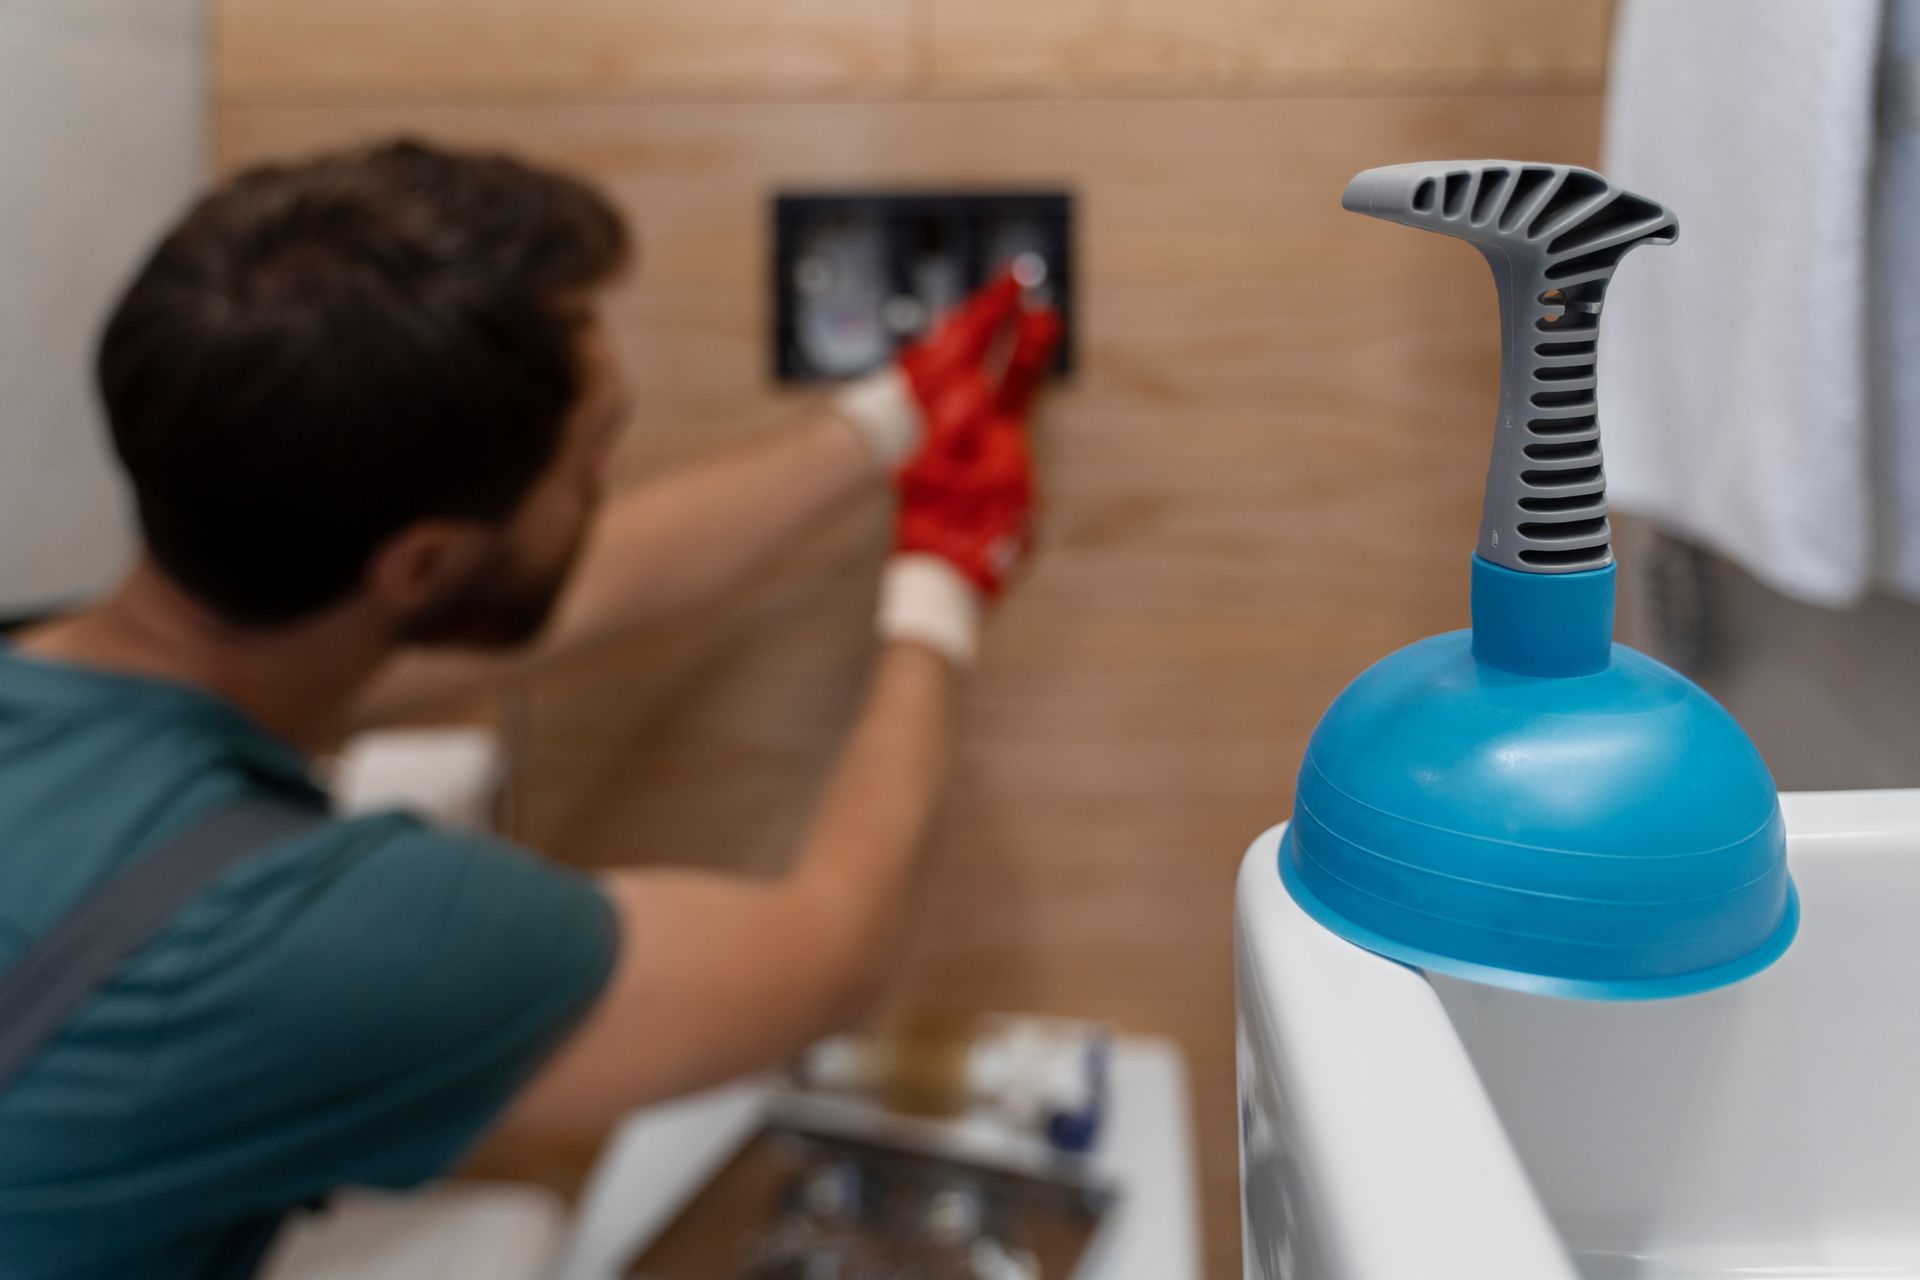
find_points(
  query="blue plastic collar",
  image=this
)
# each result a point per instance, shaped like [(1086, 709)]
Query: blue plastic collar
[(1542, 624)]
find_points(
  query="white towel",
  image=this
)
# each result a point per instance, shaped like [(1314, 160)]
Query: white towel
[(1733, 378), (1895, 298)]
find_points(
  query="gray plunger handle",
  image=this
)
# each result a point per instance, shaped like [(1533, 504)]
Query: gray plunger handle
[(1553, 234)]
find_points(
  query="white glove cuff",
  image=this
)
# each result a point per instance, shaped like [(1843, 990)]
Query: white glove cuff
[(926, 599), (882, 410)]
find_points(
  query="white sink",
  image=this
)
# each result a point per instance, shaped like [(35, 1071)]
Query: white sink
[(1397, 1125)]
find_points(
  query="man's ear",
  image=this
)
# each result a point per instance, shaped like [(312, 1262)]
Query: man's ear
[(419, 565)]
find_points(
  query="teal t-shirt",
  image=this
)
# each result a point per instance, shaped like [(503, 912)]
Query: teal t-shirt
[(352, 1007)]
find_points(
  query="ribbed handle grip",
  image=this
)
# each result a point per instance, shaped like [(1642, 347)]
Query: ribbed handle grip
[(1553, 234)]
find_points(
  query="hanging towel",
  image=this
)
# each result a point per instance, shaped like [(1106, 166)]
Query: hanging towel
[(1733, 383), (1894, 318)]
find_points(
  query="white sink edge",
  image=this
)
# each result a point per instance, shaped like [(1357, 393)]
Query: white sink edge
[(1461, 1205)]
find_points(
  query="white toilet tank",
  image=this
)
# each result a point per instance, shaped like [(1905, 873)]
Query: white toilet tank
[(1397, 1126)]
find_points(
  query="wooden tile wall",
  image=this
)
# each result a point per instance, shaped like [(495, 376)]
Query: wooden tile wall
[(1265, 475), (489, 50), (1297, 46), (492, 50)]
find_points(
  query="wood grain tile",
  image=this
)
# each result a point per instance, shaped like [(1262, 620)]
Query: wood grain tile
[(1163, 46), (299, 50), (1265, 476), (492, 50)]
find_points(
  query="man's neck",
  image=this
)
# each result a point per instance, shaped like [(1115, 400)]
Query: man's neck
[(299, 682)]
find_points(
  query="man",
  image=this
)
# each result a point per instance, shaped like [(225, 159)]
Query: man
[(365, 404)]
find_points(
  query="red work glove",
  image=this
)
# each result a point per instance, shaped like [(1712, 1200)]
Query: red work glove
[(967, 494)]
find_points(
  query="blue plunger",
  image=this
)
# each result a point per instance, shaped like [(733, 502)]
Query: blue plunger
[(1528, 803)]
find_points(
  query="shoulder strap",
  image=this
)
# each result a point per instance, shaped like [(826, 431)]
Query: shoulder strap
[(51, 981)]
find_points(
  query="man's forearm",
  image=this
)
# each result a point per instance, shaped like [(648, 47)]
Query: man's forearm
[(660, 548), (861, 850), (690, 535), (722, 974)]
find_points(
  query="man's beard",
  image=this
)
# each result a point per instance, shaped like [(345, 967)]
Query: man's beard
[(502, 605)]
